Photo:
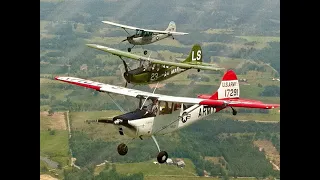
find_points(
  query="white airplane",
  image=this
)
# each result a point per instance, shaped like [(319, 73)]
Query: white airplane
[(147, 36), (174, 112)]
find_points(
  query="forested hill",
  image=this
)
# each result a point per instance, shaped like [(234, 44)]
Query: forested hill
[(256, 17), (230, 28)]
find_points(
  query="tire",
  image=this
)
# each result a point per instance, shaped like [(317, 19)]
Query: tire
[(122, 149), (162, 157)]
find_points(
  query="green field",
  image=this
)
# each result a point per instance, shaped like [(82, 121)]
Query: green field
[(272, 116), (219, 31), (148, 168), (55, 146), (261, 39), (170, 177), (190, 178), (238, 46), (104, 131), (153, 171)]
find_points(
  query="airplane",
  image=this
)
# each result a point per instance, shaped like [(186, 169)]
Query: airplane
[(147, 36), (174, 112), (152, 70)]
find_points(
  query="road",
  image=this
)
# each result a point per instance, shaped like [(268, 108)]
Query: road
[(50, 163)]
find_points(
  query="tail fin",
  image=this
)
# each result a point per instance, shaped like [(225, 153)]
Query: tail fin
[(229, 87), (195, 54), (172, 27)]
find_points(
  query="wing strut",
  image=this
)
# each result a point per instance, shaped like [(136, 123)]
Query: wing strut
[(125, 64), (148, 96), (126, 31), (120, 108), (126, 69)]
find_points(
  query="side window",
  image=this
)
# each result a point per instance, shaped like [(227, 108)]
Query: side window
[(186, 106), (165, 108)]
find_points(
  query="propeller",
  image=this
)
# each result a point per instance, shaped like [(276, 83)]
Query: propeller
[(129, 37)]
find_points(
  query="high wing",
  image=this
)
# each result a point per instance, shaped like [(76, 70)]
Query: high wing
[(148, 30), (202, 63), (125, 91), (107, 88), (155, 61)]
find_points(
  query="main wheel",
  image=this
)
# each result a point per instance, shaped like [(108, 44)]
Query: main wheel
[(198, 70), (145, 52), (129, 49), (162, 157), (122, 149)]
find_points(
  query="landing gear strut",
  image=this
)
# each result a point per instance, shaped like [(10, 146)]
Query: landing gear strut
[(122, 149), (234, 112)]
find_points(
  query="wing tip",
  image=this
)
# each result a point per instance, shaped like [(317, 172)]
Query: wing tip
[(57, 78), (91, 44)]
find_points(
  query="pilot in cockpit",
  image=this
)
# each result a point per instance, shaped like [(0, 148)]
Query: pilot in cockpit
[(152, 108)]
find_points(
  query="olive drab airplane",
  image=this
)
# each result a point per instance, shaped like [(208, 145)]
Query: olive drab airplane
[(173, 112), (152, 70), (147, 36)]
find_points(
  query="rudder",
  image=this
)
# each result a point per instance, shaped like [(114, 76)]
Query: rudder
[(195, 54), (229, 87), (172, 27)]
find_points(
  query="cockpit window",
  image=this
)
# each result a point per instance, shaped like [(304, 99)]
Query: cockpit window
[(165, 107)]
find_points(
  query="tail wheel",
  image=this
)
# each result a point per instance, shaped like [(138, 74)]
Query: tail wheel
[(234, 112), (162, 157), (122, 149)]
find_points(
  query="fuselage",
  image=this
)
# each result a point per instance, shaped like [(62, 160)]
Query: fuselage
[(142, 40), (152, 74), (169, 122)]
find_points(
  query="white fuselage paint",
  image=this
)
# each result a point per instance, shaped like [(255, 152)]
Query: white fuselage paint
[(163, 124), (147, 39)]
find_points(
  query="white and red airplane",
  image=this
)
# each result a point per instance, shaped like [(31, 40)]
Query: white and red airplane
[(174, 112)]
